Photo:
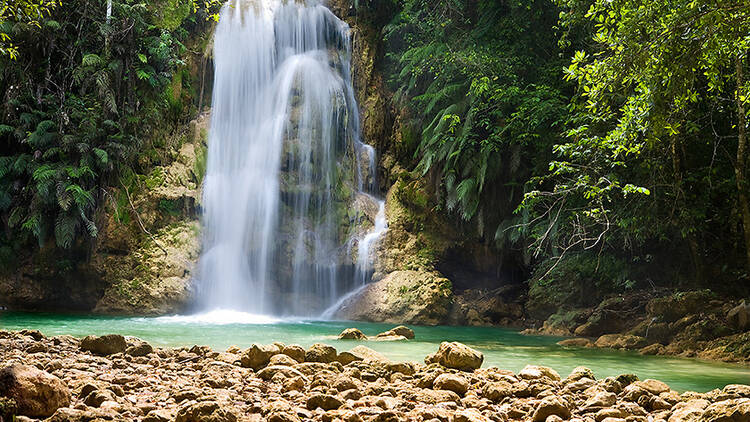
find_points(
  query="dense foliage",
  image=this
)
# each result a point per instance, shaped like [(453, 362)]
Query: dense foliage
[(482, 82), (643, 159), (655, 159), (86, 87)]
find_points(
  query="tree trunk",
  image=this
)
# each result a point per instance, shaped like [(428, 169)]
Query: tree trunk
[(680, 203), (741, 162)]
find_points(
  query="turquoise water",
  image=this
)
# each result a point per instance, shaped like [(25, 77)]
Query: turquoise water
[(504, 348)]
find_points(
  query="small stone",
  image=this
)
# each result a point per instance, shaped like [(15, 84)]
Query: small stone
[(205, 411), (323, 401)]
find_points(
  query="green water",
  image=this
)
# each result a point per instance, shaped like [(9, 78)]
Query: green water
[(501, 347)]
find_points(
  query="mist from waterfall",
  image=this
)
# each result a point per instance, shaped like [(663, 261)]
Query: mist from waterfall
[(284, 136)]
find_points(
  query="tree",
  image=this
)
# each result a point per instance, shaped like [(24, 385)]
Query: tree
[(661, 95)]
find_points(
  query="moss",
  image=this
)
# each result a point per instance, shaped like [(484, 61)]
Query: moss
[(201, 160), (169, 14), (171, 207)]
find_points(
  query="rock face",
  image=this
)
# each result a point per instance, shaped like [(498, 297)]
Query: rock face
[(104, 345), (36, 393), (458, 356), (411, 297)]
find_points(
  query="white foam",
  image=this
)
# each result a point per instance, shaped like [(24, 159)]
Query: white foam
[(220, 317)]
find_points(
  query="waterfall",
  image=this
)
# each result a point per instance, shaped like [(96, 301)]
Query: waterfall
[(284, 162)]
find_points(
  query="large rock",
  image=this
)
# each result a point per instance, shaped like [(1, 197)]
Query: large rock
[(739, 317), (413, 297), (451, 382), (620, 341), (458, 356), (533, 372), (105, 345), (398, 331), (320, 352), (549, 406), (352, 334), (258, 355), (37, 394), (728, 410)]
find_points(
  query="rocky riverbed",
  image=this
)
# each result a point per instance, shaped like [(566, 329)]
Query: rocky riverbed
[(114, 378)]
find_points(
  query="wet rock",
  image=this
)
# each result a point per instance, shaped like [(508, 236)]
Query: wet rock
[(620, 341), (458, 356), (352, 334), (451, 382), (652, 349), (576, 342), (320, 352), (398, 331), (104, 345), (323, 401), (35, 392), (205, 411), (581, 372), (258, 356)]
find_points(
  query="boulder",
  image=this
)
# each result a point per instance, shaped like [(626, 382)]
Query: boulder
[(458, 356), (398, 331), (258, 355), (352, 334), (581, 372), (739, 317), (451, 382), (37, 394), (320, 352), (105, 345), (652, 386)]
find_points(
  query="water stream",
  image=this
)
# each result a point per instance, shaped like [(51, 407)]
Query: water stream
[(284, 156), (501, 347)]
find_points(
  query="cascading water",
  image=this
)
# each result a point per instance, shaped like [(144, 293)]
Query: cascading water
[(284, 161)]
